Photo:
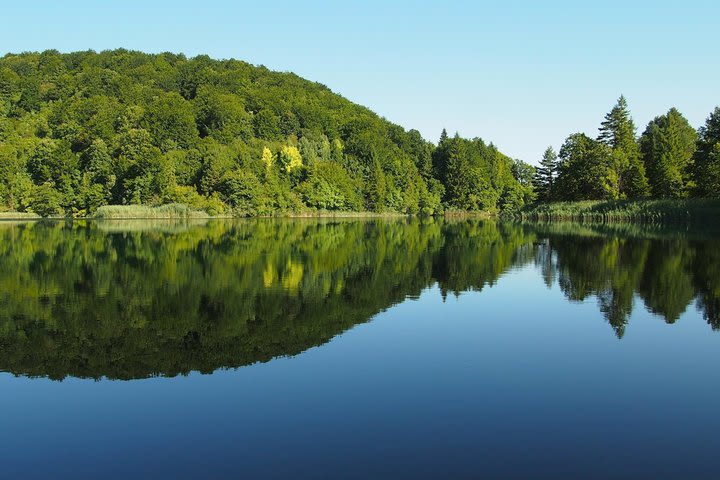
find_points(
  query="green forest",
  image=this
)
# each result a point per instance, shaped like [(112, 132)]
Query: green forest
[(82, 130), (670, 160)]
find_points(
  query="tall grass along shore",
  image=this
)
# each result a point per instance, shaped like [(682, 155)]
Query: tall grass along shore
[(645, 211), (172, 210)]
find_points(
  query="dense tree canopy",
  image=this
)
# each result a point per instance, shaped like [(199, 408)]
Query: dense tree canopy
[(670, 160), (86, 129), (668, 145), (707, 157)]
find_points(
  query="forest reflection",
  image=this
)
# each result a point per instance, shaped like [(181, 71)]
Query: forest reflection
[(135, 300)]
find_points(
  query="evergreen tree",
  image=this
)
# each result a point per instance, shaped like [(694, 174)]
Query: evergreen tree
[(667, 146), (618, 132), (440, 157), (456, 177), (545, 175), (707, 157)]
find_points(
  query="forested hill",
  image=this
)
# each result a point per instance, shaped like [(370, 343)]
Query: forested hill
[(86, 129)]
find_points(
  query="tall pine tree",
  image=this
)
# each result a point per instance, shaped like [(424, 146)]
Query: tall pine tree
[(440, 157), (545, 175), (618, 132)]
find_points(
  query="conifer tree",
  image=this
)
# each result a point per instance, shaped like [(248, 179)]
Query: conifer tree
[(545, 175), (440, 157), (618, 132)]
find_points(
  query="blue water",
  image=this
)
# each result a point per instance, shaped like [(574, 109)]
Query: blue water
[(507, 380)]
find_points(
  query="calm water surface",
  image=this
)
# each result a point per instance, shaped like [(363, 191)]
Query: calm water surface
[(357, 349)]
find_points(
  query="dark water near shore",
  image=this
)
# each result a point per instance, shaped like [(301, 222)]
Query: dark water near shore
[(357, 349)]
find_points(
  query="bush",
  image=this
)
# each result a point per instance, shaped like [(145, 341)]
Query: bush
[(329, 187), (46, 201)]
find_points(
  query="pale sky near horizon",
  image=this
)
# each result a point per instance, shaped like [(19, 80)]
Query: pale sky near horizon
[(520, 74)]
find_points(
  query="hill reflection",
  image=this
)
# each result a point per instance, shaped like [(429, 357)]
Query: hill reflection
[(96, 300)]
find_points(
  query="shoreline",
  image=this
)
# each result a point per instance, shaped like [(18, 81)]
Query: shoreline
[(631, 212), (183, 214)]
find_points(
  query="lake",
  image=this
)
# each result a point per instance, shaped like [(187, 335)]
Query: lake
[(402, 348)]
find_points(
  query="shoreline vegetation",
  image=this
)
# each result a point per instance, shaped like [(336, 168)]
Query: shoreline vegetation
[(19, 216), (671, 211), (127, 212), (625, 211)]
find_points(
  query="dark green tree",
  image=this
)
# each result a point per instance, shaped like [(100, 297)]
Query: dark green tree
[(267, 125), (171, 122), (545, 175), (222, 115), (707, 157), (585, 170), (618, 132), (46, 200), (667, 146)]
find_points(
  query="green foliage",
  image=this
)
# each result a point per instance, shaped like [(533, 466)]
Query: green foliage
[(707, 157), (545, 175), (476, 176), (267, 125), (667, 211), (585, 170), (244, 192), (122, 127), (46, 200), (667, 145), (290, 158), (329, 187), (618, 132), (222, 115), (171, 122), (669, 161)]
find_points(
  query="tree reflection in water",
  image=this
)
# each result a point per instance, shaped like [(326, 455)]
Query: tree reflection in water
[(136, 300)]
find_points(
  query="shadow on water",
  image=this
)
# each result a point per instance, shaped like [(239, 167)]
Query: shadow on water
[(135, 300)]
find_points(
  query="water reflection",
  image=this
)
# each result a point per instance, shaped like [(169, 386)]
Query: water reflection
[(133, 301)]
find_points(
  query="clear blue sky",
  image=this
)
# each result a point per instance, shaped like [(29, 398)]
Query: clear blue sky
[(522, 74)]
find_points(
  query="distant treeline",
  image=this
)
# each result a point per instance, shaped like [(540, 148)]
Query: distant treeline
[(670, 160), (85, 129)]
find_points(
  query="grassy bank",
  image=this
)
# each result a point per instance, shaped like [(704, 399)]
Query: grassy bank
[(646, 211), (19, 216), (338, 214), (125, 212)]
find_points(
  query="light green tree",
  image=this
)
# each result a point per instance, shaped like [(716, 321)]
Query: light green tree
[(290, 158)]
